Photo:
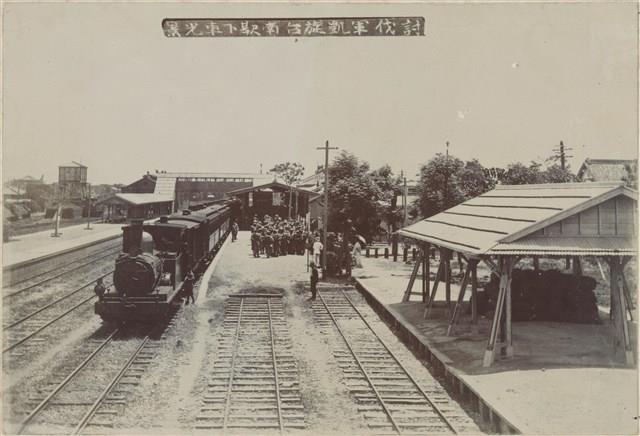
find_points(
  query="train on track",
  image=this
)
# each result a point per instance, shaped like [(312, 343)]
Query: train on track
[(150, 271)]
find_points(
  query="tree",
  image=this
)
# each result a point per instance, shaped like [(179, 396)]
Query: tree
[(291, 173), (390, 187), (474, 180), (353, 196), (555, 174), (439, 188), (519, 174)]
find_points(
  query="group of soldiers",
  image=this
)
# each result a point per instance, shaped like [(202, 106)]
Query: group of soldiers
[(278, 237)]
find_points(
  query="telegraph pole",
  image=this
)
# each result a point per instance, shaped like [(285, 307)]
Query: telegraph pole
[(404, 197), (325, 221), (561, 154)]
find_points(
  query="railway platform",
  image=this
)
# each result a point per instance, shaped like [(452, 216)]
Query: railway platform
[(562, 379), (26, 254)]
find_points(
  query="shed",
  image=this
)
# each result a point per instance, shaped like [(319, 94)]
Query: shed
[(272, 198), (508, 223), (123, 206)]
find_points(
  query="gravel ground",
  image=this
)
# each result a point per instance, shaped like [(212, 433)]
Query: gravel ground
[(170, 394)]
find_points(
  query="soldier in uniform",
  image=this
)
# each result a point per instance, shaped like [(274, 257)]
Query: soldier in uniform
[(276, 244), (255, 243), (267, 242), (285, 242)]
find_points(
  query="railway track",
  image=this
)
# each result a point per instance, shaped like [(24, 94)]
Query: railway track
[(254, 382), (23, 327), (390, 399), (35, 282), (94, 390)]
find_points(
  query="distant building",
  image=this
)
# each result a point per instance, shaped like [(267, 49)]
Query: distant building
[(72, 181), (144, 185), (607, 170)]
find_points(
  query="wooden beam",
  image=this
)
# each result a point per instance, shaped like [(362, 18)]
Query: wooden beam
[(474, 295), (434, 289), (491, 264), (458, 306), (577, 266), (505, 263), (447, 278), (509, 262), (425, 272), (621, 341), (412, 279)]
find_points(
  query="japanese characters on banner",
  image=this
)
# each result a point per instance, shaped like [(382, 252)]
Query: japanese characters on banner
[(294, 27)]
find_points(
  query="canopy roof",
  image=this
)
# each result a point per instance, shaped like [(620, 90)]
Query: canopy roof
[(137, 199), (551, 219), (271, 185)]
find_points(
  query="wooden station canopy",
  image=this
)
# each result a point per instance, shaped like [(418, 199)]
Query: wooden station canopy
[(271, 199), (510, 222)]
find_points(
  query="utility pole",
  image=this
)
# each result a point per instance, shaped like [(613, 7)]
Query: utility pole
[(325, 221), (404, 197), (561, 154), (260, 168)]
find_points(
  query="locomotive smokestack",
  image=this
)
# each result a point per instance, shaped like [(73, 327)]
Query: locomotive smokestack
[(135, 236)]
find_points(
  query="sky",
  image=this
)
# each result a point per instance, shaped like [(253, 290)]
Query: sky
[(99, 83)]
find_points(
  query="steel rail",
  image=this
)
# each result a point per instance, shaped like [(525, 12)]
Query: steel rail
[(364, 371), (231, 367), (65, 382), (29, 336), (64, 297), (424, 394), (275, 369), (96, 404), (13, 294)]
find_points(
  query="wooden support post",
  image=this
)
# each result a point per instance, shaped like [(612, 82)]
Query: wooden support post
[(490, 353), (447, 275), (434, 289), (366, 252), (567, 262), (386, 252), (412, 279), (536, 263), (405, 254), (473, 263), (622, 340), (425, 273), (458, 306), (509, 261), (577, 267), (375, 252), (413, 254), (627, 297)]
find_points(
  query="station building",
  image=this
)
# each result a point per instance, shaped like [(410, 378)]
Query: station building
[(164, 192)]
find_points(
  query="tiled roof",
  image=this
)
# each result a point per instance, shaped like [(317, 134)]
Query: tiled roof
[(501, 217)]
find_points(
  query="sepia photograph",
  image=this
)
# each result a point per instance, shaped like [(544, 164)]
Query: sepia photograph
[(320, 218)]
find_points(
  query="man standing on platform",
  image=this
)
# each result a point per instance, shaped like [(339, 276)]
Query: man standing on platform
[(234, 231), (317, 251), (314, 280)]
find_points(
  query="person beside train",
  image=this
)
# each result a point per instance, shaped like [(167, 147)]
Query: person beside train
[(234, 231), (313, 279), (100, 289), (187, 287)]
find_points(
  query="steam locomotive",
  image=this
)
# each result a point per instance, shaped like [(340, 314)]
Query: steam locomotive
[(155, 259)]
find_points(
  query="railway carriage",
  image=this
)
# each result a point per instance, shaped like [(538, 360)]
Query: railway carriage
[(155, 259)]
